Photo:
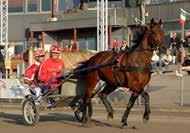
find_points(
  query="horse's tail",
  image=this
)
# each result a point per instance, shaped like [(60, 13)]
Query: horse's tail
[(82, 68), (81, 65)]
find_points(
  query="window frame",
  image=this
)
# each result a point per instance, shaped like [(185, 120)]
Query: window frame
[(23, 8), (31, 12), (42, 8), (58, 3)]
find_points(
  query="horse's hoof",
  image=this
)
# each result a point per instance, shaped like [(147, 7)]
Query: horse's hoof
[(85, 125), (110, 115), (145, 121), (146, 117), (133, 127), (90, 123), (109, 118), (123, 124), (88, 120)]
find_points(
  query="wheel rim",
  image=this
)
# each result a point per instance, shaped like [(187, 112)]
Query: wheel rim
[(79, 112), (79, 115), (30, 113)]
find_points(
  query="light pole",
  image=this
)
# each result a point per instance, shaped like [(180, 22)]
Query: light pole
[(143, 12), (4, 31), (183, 15)]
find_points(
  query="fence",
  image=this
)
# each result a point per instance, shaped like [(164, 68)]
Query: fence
[(9, 89), (166, 90)]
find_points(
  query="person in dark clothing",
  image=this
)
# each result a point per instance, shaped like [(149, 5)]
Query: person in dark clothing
[(124, 45), (174, 45)]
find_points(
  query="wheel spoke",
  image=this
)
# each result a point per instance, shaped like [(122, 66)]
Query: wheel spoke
[(30, 118), (30, 113)]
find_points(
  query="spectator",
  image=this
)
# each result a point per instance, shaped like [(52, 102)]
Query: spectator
[(11, 50), (166, 59), (69, 6), (83, 5), (185, 66), (116, 45), (181, 55), (76, 5), (65, 47), (174, 45), (124, 45), (71, 45), (188, 38), (180, 59), (155, 62)]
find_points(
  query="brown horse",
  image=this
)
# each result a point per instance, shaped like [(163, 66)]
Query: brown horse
[(132, 70)]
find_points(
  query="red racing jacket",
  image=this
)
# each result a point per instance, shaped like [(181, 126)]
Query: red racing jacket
[(49, 69), (31, 72)]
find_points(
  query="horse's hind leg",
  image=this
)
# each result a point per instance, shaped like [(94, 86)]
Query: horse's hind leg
[(87, 111), (84, 113), (89, 115), (107, 104), (131, 102), (145, 95)]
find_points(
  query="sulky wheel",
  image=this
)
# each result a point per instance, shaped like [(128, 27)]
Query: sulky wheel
[(78, 109), (30, 112), (78, 115)]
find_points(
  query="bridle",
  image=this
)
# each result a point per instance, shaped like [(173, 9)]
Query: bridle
[(153, 46)]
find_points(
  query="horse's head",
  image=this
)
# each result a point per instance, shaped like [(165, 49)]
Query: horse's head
[(156, 34)]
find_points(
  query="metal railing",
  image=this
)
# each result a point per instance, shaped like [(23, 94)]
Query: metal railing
[(166, 90), (164, 1)]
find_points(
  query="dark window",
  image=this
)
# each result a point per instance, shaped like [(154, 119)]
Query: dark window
[(46, 5), (133, 3), (91, 43), (15, 6), (62, 4), (32, 5), (19, 47)]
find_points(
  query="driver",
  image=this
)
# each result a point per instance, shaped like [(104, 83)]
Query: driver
[(31, 73), (52, 68)]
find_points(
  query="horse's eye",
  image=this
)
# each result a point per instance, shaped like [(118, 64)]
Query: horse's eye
[(153, 33)]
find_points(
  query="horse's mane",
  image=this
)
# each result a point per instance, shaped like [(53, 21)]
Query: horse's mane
[(84, 64), (140, 37)]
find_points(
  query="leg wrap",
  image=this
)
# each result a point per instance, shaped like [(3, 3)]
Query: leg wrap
[(146, 97), (90, 110), (107, 104), (129, 106)]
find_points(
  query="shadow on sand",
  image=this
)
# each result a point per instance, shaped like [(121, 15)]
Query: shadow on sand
[(68, 119)]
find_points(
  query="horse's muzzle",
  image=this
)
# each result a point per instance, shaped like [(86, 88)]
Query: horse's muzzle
[(163, 48)]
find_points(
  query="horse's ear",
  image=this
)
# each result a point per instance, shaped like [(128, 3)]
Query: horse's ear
[(152, 21), (144, 28), (160, 21)]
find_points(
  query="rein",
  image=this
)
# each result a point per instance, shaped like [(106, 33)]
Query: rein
[(117, 68)]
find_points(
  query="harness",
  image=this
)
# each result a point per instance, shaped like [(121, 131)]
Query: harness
[(117, 68)]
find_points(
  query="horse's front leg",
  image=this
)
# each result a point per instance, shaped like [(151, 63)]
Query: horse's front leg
[(89, 115), (107, 104), (146, 97), (131, 102)]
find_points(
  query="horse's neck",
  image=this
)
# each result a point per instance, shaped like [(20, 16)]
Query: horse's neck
[(144, 44), (144, 47)]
